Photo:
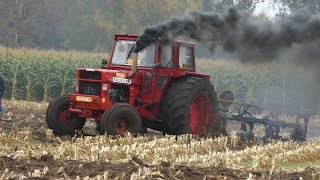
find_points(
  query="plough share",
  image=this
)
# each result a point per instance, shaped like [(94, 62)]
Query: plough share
[(272, 123)]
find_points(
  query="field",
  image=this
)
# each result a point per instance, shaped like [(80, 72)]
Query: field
[(41, 75), (28, 149)]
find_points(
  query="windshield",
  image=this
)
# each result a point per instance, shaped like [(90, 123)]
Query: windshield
[(123, 48)]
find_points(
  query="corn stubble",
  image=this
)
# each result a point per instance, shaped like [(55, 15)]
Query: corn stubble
[(152, 150)]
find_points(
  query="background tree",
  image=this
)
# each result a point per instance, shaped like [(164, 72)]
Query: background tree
[(221, 5), (132, 16), (312, 5), (90, 24), (23, 22)]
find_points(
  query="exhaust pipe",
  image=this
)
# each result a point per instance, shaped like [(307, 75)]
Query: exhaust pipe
[(134, 66)]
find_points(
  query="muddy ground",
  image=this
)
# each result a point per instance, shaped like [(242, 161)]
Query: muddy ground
[(72, 169), (19, 119)]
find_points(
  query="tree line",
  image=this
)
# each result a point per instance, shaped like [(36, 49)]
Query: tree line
[(91, 24)]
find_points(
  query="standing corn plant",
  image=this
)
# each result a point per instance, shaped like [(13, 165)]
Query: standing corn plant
[(40, 75)]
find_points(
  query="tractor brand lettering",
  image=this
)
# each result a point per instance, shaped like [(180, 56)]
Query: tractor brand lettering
[(91, 70), (121, 80), (128, 42), (83, 99)]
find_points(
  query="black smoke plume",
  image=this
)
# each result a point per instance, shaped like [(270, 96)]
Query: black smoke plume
[(239, 33), (295, 39)]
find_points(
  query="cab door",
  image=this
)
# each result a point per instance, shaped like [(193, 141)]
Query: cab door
[(166, 65), (155, 80)]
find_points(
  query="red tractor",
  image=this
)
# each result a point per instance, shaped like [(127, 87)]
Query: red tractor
[(157, 88)]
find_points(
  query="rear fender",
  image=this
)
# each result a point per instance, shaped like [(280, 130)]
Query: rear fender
[(178, 74)]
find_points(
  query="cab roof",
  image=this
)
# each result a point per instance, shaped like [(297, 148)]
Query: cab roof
[(132, 37), (125, 36)]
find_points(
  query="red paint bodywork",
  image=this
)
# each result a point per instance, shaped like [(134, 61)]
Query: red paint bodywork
[(146, 103)]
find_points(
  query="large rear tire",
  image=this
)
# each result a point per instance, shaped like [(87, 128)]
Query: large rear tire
[(190, 106), (60, 120), (120, 119)]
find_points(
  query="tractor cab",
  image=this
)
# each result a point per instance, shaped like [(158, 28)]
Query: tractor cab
[(176, 55)]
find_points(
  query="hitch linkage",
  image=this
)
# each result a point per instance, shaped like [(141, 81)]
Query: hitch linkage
[(271, 123)]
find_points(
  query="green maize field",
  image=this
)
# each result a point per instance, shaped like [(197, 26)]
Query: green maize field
[(41, 75)]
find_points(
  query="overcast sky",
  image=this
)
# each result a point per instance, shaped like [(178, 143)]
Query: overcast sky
[(268, 8)]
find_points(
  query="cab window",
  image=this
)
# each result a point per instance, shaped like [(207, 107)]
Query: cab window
[(186, 58), (122, 49), (167, 56), (147, 56)]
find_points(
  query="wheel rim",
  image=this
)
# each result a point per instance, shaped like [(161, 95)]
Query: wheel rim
[(200, 112), (121, 125), (65, 118)]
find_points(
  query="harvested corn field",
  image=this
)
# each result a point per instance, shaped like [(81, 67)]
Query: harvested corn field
[(229, 90), (29, 149)]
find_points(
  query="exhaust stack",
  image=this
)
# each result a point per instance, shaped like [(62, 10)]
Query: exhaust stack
[(134, 66)]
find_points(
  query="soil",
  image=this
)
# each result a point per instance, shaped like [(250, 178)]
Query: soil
[(72, 169), (18, 120)]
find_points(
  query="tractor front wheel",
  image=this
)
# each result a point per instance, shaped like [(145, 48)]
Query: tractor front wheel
[(60, 119), (120, 119)]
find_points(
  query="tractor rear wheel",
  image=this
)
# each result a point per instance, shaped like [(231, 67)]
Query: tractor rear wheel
[(190, 106), (120, 119), (60, 119)]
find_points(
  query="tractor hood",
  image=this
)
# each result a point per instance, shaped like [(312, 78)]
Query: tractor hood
[(109, 76)]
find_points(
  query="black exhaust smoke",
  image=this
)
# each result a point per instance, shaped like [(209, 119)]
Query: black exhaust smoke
[(237, 32), (295, 39)]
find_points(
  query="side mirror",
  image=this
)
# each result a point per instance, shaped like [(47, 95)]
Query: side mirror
[(104, 63)]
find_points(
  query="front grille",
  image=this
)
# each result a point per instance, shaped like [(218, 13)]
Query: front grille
[(90, 88), (95, 75), (119, 93)]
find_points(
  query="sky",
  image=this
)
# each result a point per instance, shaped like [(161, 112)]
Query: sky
[(267, 7)]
